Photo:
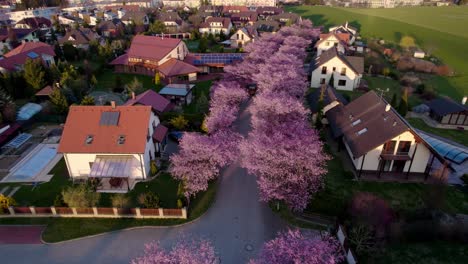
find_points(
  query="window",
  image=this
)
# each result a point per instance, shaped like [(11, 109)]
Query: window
[(327, 43), (343, 71), (357, 122), (334, 68), (237, 35), (91, 164), (341, 82), (324, 70), (404, 147), (322, 81), (389, 147), (242, 37), (362, 131)]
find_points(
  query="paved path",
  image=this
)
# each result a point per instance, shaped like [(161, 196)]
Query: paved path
[(235, 221)]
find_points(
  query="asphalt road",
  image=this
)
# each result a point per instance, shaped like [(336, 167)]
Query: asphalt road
[(237, 224)]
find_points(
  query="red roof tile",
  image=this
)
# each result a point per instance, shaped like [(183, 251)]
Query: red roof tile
[(157, 102), (174, 67), (159, 133), (46, 91), (153, 48), (20, 54), (83, 121)]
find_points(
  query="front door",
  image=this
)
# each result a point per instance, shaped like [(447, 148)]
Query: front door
[(398, 165)]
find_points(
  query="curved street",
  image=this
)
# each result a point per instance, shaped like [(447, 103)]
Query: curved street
[(237, 224)]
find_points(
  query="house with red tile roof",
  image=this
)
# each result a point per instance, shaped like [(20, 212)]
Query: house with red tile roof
[(228, 10), (16, 58), (244, 18), (333, 39), (216, 25), (158, 103), (112, 144), (149, 55), (10, 36)]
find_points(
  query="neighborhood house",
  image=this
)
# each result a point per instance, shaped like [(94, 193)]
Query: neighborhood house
[(113, 145)]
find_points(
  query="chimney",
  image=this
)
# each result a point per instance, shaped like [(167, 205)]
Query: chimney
[(464, 100), (113, 104), (133, 95), (388, 107)]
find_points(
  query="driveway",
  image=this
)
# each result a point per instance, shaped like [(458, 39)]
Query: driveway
[(237, 223)]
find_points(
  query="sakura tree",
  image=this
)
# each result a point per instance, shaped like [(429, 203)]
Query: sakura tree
[(186, 251), (201, 157), (288, 160), (296, 247)]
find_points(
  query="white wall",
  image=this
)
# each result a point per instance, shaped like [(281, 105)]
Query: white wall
[(237, 39), (372, 159), (352, 79), (183, 51), (216, 30)]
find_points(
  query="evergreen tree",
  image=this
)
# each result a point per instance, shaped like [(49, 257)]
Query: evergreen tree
[(58, 99), (202, 104), (34, 74), (403, 107), (87, 100), (394, 102)]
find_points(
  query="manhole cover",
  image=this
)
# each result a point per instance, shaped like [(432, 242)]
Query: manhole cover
[(248, 247)]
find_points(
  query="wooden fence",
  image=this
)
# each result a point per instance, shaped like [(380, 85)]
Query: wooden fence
[(98, 212)]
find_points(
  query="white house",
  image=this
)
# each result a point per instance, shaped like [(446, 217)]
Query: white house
[(15, 59), (346, 70), (346, 28), (381, 144), (113, 144), (216, 25), (243, 36), (46, 12), (182, 3), (338, 40)]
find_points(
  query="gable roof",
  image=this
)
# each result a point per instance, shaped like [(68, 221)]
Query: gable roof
[(84, 121), (137, 16), (46, 91), (224, 20), (329, 95), (267, 26), (38, 47), (27, 50), (342, 37), (445, 106), (251, 32), (108, 25), (151, 98), (78, 36), (365, 123), (356, 64), (170, 17), (269, 10), (251, 16), (36, 22), (150, 47), (19, 32), (175, 67), (234, 9)]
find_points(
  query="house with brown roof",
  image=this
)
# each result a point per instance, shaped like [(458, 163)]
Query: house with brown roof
[(381, 144), (229, 10), (346, 70), (266, 11), (267, 26), (244, 18), (345, 28), (79, 38), (10, 37), (216, 25), (338, 40), (286, 18), (448, 112), (171, 20), (41, 23), (138, 18), (149, 55), (15, 59), (110, 28), (112, 144), (243, 36)]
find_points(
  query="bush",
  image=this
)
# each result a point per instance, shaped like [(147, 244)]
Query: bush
[(153, 168), (120, 200), (180, 204), (80, 196), (148, 200), (6, 202), (58, 202), (179, 122)]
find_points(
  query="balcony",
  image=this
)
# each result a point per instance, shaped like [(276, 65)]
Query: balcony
[(390, 155)]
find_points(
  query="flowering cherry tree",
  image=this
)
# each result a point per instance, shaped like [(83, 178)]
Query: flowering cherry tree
[(194, 251), (296, 247), (288, 161), (201, 157)]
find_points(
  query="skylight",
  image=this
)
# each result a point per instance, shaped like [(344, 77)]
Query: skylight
[(32, 55), (356, 122), (362, 131), (89, 139), (121, 140)]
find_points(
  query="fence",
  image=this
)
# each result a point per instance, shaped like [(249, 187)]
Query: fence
[(349, 255), (97, 212)]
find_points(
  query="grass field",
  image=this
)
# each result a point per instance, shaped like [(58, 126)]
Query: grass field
[(444, 34), (459, 136), (106, 80)]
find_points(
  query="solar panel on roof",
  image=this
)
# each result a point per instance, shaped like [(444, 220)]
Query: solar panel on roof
[(109, 118), (32, 55)]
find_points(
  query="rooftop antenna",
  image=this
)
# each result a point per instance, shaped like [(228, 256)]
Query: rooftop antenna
[(382, 91)]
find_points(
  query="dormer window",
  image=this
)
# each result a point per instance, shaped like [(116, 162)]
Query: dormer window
[(89, 139)]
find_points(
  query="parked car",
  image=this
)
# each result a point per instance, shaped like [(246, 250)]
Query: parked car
[(176, 135)]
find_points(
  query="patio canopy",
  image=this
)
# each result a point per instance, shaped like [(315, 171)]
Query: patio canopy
[(115, 167)]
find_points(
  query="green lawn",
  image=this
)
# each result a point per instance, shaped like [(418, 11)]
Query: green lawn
[(393, 23), (106, 80), (421, 253), (404, 197), (459, 136), (393, 86)]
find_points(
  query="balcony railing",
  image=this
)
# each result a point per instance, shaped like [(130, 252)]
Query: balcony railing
[(389, 155)]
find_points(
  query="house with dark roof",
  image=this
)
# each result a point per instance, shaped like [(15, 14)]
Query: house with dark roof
[(158, 103), (338, 40), (171, 20), (110, 28), (245, 18), (266, 11), (346, 70), (10, 37), (112, 144), (178, 94), (229, 10), (448, 112), (216, 25), (243, 36), (15, 59), (41, 23), (149, 55), (266, 26), (79, 38), (138, 18), (286, 18), (381, 144)]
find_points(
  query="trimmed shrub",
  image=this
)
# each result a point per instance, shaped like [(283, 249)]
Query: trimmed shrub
[(80, 196), (120, 200), (148, 200)]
